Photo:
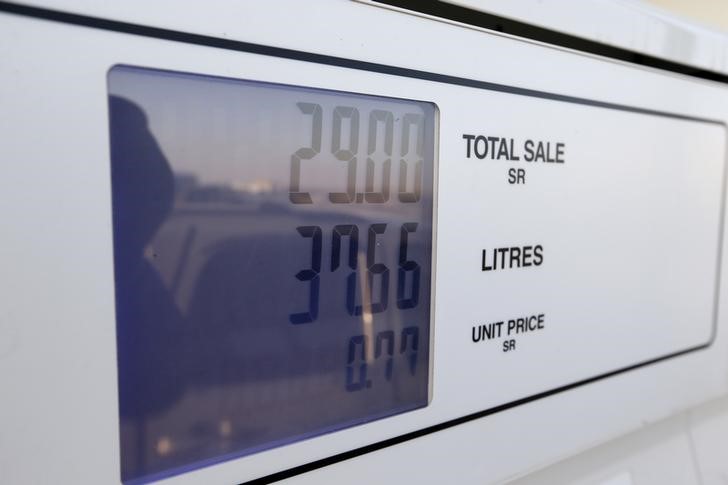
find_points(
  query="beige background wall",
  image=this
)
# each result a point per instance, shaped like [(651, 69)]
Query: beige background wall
[(711, 13)]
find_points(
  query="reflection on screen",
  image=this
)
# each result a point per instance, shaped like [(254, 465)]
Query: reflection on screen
[(273, 255)]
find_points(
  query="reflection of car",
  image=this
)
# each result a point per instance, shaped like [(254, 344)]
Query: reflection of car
[(238, 355)]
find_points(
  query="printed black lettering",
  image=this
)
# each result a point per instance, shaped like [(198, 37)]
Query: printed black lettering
[(481, 154), (538, 255), (515, 257), (485, 267), (540, 156), (528, 148), (527, 256), (511, 257), (503, 149), (492, 140), (480, 333), (514, 155), (469, 139), (516, 176), (502, 252)]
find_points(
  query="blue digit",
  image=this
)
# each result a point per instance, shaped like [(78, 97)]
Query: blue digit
[(406, 266), (377, 269), (311, 275), (352, 232)]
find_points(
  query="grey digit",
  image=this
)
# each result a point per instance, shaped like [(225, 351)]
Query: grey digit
[(346, 154), (410, 337), (305, 153), (388, 336), (356, 375), (416, 120), (375, 118)]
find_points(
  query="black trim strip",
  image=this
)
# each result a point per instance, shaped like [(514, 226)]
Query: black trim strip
[(282, 475), (209, 41), (489, 21), (203, 40)]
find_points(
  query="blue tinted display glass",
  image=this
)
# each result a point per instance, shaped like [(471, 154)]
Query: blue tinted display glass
[(273, 253)]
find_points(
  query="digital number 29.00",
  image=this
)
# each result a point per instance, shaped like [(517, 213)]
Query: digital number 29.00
[(345, 148)]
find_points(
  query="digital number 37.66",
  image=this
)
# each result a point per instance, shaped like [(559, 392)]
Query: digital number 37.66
[(408, 270), (411, 151)]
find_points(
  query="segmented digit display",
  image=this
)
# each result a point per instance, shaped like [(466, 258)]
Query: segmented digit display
[(273, 263)]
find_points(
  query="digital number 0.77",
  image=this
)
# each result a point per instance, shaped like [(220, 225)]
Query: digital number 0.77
[(357, 364)]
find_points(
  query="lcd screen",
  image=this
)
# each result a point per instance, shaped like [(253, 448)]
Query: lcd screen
[(273, 263)]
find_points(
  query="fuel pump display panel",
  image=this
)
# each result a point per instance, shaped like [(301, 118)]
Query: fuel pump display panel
[(253, 246), (274, 248), (273, 253)]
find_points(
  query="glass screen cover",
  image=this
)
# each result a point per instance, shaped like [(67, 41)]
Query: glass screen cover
[(273, 260)]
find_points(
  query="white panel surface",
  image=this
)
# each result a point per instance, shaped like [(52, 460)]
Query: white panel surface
[(708, 430), (630, 226), (660, 454), (609, 287), (628, 24)]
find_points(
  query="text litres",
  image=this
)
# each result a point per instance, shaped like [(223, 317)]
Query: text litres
[(512, 257)]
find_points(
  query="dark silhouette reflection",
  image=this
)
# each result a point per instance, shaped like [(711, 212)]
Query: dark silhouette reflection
[(151, 337), (211, 364)]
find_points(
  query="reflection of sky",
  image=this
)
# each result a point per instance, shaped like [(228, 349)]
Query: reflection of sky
[(243, 134)]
